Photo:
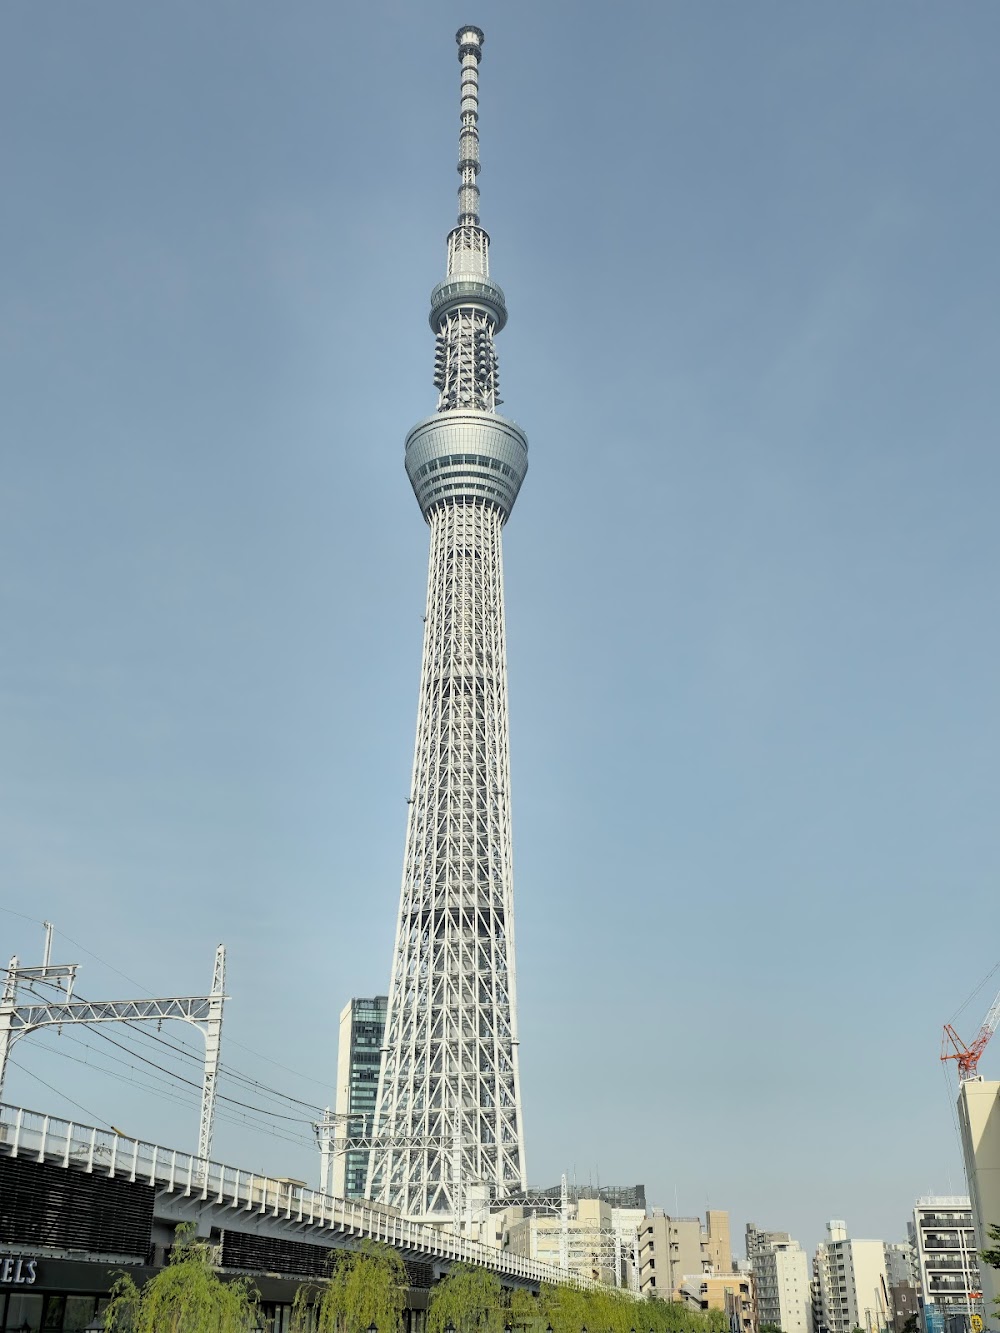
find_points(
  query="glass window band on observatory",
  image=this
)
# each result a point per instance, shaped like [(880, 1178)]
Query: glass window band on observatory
[(466, 455)]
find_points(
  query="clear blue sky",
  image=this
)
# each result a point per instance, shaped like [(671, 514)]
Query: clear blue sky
[(750, 253)]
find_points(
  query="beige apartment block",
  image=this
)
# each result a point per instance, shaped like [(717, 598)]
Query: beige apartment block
[(589, 1244), (852, 1282), (979, 1122), (672, 1248), (732, 1293)]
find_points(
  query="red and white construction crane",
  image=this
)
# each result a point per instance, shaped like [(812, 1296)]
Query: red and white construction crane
[(954, 1048)]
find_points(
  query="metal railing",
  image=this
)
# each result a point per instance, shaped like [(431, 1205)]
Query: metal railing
[(45, 1138)]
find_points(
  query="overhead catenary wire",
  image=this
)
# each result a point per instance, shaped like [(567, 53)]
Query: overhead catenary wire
[(180, 1078), (176, 1096), (183, 1092), (78, 1105), (169, 1082), (309, 1078), (224, 1069)]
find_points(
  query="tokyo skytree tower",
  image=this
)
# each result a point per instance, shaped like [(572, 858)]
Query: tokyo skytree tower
[(448, 1114)]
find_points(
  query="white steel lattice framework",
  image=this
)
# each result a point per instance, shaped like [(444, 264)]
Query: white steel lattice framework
[(18, 1019), (448, 1115)]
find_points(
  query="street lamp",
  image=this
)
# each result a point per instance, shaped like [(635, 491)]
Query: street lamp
[(372, 1327)]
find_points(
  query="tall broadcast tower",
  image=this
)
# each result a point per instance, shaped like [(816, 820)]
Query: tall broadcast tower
[(448, 1114)]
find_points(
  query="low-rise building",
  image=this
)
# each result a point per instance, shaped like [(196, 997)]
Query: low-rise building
[(671, 1248), (732, 1293), (584, 1242)]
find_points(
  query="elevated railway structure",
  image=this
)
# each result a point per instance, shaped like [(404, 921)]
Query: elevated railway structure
[(79, 1203)]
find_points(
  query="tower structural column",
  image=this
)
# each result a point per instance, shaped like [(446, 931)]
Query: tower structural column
[(448, 1124)]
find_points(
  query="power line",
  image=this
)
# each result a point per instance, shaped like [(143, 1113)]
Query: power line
[(181, 1049), (274, 1093), (93, 1114), (175, 1095)]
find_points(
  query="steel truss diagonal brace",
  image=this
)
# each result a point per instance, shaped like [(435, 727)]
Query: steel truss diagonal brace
[(201, 1011)]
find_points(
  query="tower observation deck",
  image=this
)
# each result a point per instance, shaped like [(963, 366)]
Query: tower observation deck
[(448, 1112)]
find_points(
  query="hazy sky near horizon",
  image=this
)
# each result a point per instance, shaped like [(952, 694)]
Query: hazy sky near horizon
[(750, 255)]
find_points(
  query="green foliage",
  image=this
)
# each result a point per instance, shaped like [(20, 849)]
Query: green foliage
[(366, 1286), (523, 1311), (605, 1310), (992, 1257), (188, 1296), (469, 1299), (770, 1328)]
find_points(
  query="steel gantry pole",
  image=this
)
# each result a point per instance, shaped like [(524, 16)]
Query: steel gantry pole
[(18, 1018)]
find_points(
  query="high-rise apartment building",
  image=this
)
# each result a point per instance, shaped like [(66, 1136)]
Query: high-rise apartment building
[(672, 1248), (979, 1122), (781, 1272), (362, 1023), (943, 1240), (448, 1115), (852, 1288)]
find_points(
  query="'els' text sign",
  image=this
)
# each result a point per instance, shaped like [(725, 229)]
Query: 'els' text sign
[(17, 1270)]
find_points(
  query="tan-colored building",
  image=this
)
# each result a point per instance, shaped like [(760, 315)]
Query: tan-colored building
[(586, 1244), (672, 1248), (732, 1293), (851, 1281), (979, 1121)]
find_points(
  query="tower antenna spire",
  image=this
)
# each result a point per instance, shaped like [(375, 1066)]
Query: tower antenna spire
[(470, 49)]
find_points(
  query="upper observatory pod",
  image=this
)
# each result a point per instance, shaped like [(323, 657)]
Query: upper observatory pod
[(467, 451)]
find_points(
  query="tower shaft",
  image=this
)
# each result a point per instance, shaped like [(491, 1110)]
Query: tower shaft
[(450, 1076), (448, 1116)]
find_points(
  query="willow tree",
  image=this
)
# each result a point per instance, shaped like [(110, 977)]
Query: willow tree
[(470, 1300), (523, 1309), (188, 1296), (366, 1287)]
